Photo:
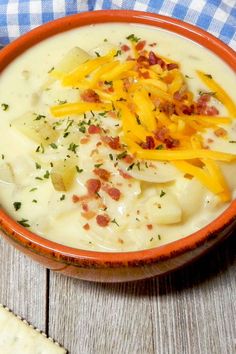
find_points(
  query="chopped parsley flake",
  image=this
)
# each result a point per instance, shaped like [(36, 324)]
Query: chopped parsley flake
[(159, 237), (17, 205), (34, 201), (66, 134), (102, 114), (130, 166), (97, 54), (4, 106), (162, 194), (47, 174), (63, 197), (33, 189), (39, 178), (50, 70), (72, 147), (3, 157), (40, 116), (117, 53), (79, 170), (40, 148), (111, 157), (160, 147), (53, 146), (133, 38), (208, 75), (232, 141), (23, 222), (82, 129), (121, 155), (97, 165), (201, 93), (38, 166), (115, 222)]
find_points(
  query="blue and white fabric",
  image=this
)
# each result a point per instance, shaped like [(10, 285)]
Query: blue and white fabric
[(215, 16)]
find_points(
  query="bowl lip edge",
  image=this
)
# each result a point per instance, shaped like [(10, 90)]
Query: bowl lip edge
[(184, 243)]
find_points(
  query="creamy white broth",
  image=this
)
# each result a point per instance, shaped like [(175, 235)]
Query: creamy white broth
[(52, 214)]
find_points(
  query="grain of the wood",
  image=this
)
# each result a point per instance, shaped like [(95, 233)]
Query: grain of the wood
[(22, 285), (100, 318), (191, 311)]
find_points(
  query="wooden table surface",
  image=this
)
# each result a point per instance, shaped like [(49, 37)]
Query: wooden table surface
[(189, 311)]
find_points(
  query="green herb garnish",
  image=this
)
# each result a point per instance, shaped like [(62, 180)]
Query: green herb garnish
[(23, 222), (133, 38), (4, 106), (17, 205)]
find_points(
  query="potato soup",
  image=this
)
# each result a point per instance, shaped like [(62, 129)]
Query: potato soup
[(117, 137)]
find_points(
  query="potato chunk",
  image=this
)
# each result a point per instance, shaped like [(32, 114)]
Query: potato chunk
[(63, 174), (70, 61), (6, 173), (163, 209), (36, 128)]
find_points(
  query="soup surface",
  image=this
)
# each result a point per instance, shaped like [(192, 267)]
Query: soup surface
[(109, 137)]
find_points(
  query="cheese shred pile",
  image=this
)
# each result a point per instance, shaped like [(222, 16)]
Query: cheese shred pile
[(161, 119)]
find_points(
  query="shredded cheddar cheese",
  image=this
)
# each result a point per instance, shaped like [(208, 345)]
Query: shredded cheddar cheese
[(161, 119)]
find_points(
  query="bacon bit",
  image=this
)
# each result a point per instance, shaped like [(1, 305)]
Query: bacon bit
[(140, 45), (120, 240), (85, 206), (88, 214), (125, 48), (145, 75), (220, 132), (114, 143), (171, 143), (110, 89), (209, 140), (180, 96), (142, 61), (112, 114), (172, 66), (149, 226), (211, 111), (124, 174), (153, 60), (114, 193), (102, 173), (86, 226), (90, 95), (162, 133), (149, 144), (84, 140), (102, 220), (128, 159), (188, 110), (93, 129), (93, 185), (75, 198), (168, 108)]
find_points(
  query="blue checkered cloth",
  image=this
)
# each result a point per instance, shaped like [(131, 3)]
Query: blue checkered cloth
[(215, 16)]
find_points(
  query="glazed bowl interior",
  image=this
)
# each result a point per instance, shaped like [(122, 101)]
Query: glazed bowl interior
[(42, 246)]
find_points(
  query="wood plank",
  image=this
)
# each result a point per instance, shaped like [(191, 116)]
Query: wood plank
[(189, 311), (100, 318), (22, 285), (195, 311)]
